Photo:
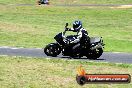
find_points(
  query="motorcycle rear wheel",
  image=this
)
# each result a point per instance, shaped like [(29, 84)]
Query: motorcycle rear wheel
[(95, 54)]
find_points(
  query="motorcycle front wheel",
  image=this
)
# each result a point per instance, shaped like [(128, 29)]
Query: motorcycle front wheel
[(52, 50)]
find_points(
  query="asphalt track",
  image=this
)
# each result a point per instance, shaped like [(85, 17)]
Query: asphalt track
[(38, 52)]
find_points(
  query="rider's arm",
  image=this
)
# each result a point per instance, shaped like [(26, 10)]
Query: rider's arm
[(67, 29), (79, 36), (63, 34)]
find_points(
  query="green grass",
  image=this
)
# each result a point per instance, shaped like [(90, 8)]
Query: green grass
[(35, 26), (21, 72), (91, 1), (17, 1), (69, 1)]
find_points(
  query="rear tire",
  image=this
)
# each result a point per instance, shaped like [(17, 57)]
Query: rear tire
[(52, 49), (95, 54)]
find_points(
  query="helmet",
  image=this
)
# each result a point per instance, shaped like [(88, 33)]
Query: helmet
[(77, 25)]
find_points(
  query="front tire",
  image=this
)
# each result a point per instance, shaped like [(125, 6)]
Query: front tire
[(52, 50)]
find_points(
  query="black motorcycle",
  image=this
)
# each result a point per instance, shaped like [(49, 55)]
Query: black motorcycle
[(46, 2), (91, 47)]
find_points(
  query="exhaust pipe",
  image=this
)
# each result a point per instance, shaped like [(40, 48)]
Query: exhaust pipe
[(96, 46)]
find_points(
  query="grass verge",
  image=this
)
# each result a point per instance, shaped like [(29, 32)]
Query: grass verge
[(22, 72), (69, 1)]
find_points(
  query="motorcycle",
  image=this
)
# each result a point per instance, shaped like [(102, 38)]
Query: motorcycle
[(91, 47), (39, 2)]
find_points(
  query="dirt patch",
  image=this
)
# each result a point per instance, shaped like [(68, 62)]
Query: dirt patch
[(123, 6), (15, 28)]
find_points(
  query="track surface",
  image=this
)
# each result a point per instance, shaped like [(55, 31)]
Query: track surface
[(37, 52)]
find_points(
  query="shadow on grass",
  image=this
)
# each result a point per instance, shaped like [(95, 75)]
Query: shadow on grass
[(81, 58)]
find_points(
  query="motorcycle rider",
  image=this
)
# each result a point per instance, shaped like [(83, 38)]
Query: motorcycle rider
[(45, 1), (81, 36)]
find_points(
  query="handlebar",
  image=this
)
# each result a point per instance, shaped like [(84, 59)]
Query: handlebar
[(66, 24)]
